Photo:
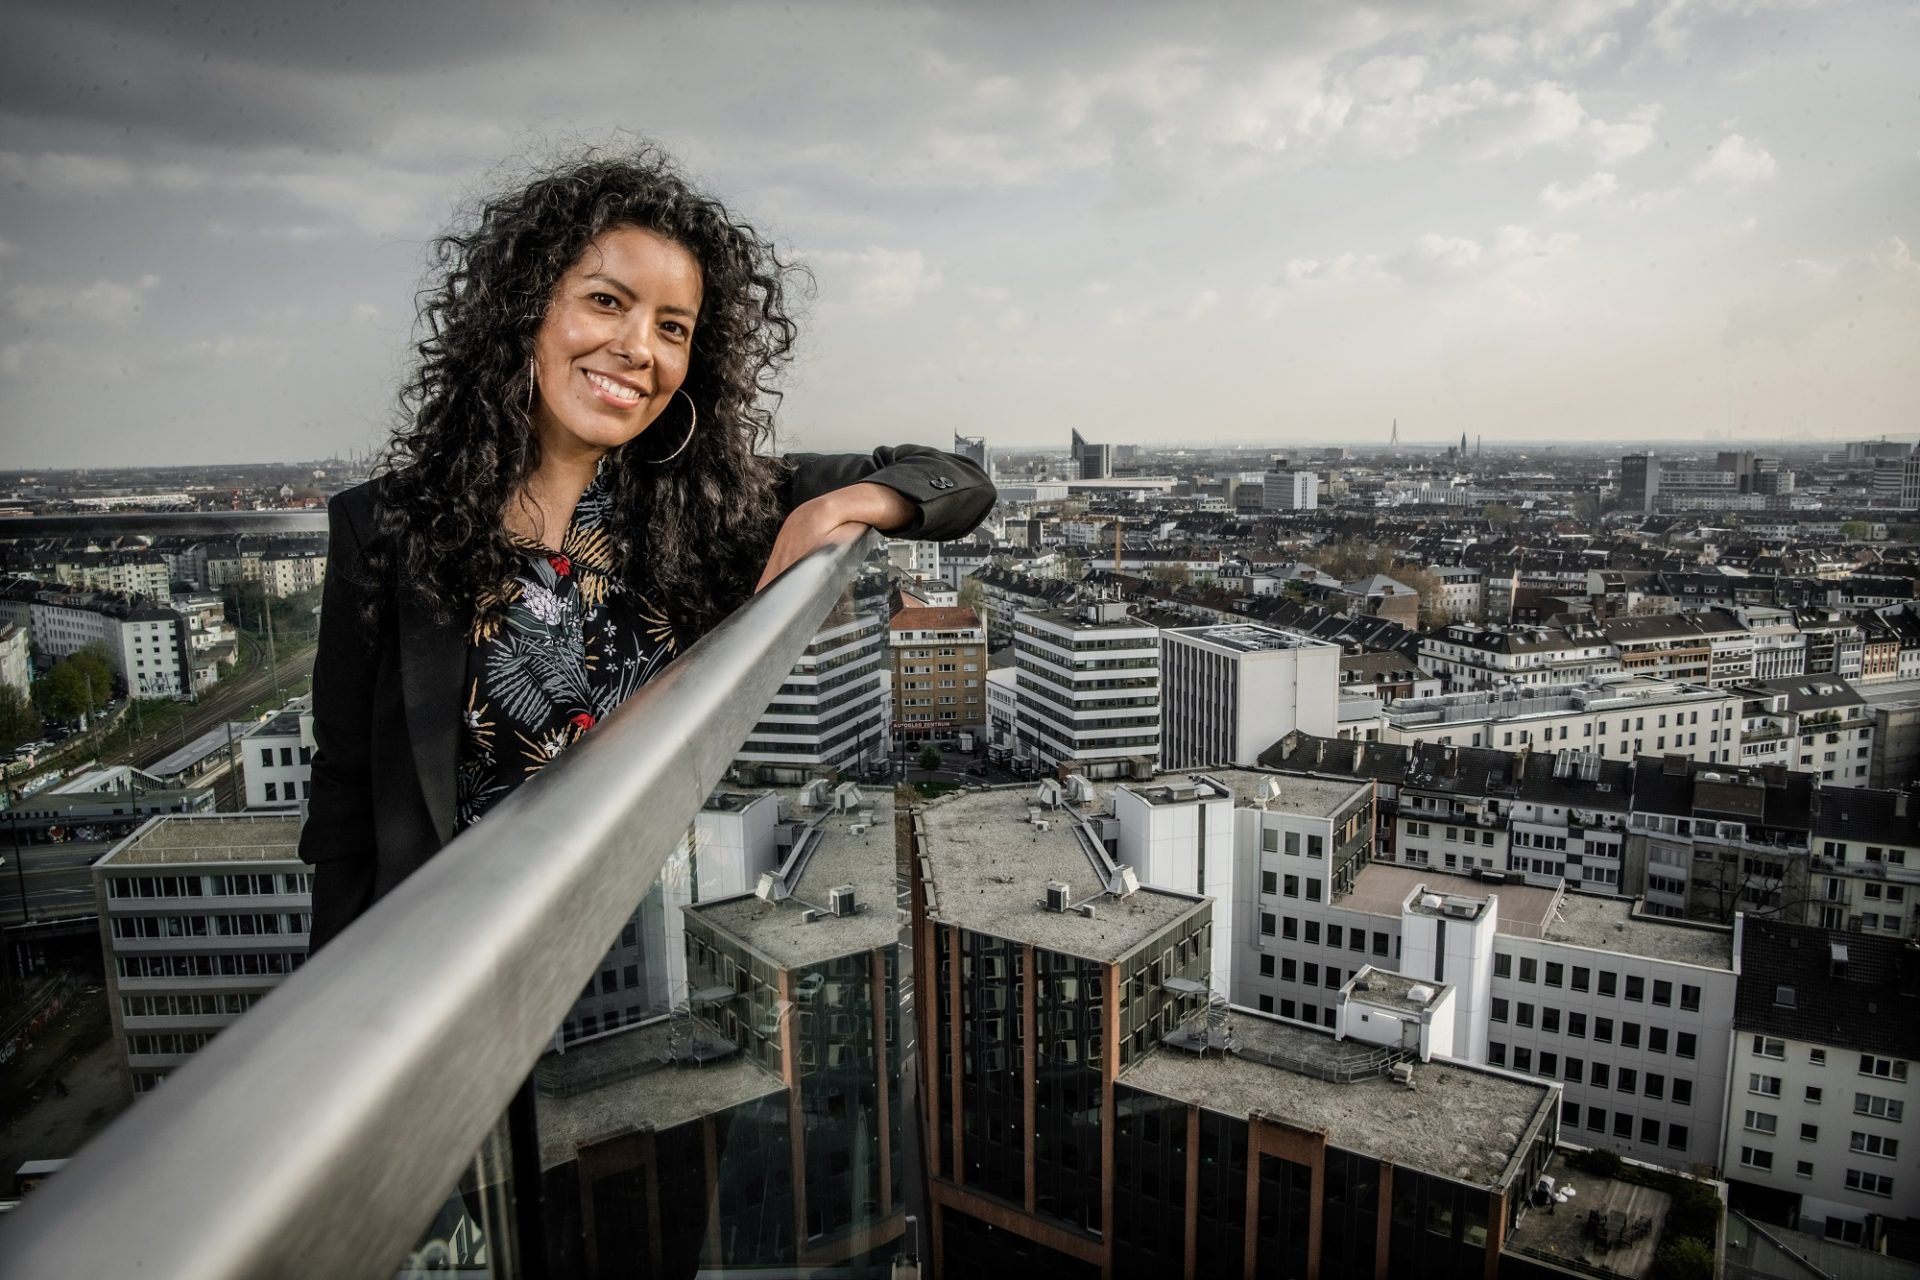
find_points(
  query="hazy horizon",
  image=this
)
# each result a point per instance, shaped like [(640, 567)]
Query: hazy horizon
[(1600, 223)]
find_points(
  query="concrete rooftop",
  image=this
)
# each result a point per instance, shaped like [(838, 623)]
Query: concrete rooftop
[(223, 837)]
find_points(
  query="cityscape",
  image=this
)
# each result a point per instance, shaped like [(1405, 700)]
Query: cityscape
[(1560, 917)]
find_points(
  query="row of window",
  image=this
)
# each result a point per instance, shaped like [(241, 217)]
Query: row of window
[(223, 886), (1860, 1180), (1596, 1118), (249, 965), (240, 924), (1597, 1075), (1557, 974), (286, 756), (1270, 842), (1602, 1030), (213, 1004), (1290, 886), (168, 1042), (1355, 937)]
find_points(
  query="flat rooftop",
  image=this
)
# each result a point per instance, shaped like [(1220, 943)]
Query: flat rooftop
[(1394, 990), (181, 759), (1457, 1122), (1561, 1234), (990, 869), (1247, 637), (840, 856), (1609, 924), (1381, 887), (1314, 797), (209, 837), (617, 1083)]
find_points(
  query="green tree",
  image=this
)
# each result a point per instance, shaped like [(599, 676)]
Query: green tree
[(930, 758), (77, 684), (19, 722), (1856, 530), (1684, 1258), (1069, 567)]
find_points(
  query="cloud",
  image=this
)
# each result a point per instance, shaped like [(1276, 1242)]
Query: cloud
[(1202, 302), (1736, 161), (1592, 187), (1619, 139), (1549, 114), (1807, 295), (1447, 251), (874, 280), (1344, 268), (106, 301)]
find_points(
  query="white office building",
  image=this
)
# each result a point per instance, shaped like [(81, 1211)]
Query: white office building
[(1617, 719), (831, 713), (1232, 691), (1089, 685), (277, 760), (1290, 491), (200, 917)]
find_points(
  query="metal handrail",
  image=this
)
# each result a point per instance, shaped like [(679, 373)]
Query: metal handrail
[(317, 1135)]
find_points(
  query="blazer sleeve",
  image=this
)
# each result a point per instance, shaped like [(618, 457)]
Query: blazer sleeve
[(338, 837), (950, 494)]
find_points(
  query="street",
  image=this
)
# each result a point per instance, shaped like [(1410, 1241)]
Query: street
[(57, 878)]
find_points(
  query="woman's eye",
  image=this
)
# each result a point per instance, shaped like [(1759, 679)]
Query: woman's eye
[(604, 299), (675, 328)]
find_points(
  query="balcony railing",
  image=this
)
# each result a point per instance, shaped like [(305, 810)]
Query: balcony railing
[(320, 1133)]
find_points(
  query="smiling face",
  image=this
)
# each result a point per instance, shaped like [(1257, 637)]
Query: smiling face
[(615, 342)]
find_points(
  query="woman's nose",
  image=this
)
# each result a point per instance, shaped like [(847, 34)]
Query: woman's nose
[(631, 343)]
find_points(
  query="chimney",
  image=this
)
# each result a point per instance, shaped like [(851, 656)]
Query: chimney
[(1899, 804)]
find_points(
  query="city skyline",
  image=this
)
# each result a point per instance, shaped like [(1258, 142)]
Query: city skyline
[(1610, 222)]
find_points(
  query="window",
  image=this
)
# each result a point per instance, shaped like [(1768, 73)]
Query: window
[(1622, 1124), (1650, 1131), (1316, 846), (272, 791), (1313, 889), (1550, 1019), (1601, 1077), (1683, 1044), (1814, 1092), (1627, 1080), (1873, 1184), (1609, 983), (1762, 1122), (1603, 1030), (266, 757), (1310, 974), (1655, 1086), (1768, 1047), (1269, 842), (1689, 998), (1266, 966), (1293, 843), (1765, 1086), (1630, 1035), (1333, 935), (1817, 1057), (1867, 1104), (1266, 924), (1502, 965), (1523, 1014), (1496, 1053), (1596, 1119), (1290, 928), (1576, 1024), (1289, 970), (1576, 1070), (1580, 977), (1499, 1009), (1636, 988), (1291, 886), (1379, 944), (1809, 1133), (1555, 973), (1529, 969), (1266, 1003), (1682, 1092), (1756, 1157), (1885, 1068), (1677, 1137), (1268, 883), (1549, 1064), (1803, 1169)]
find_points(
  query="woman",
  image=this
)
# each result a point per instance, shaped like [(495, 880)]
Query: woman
[(575, 496)]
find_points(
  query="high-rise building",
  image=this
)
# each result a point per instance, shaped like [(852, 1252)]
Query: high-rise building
[(831, 712), (1089, 684), (200, 917), (974, 450), (1290, 491), (1230, 692), (939, 673), (1091, 461), (1910, 482), (1640, 482)]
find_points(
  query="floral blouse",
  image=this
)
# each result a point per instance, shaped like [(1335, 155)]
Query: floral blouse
[(575, 640)]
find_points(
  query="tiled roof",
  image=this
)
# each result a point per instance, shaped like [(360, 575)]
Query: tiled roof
[(1871, 1004)]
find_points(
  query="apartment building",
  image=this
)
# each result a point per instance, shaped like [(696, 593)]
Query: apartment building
[(1231, 691), (830, 713), (1825, 1038), (1836, 644), (145, 641), (1617, 719), (939, 658), (16, 659), (1460, 592), (1477, 657), (1710, 647), (1813, 724), (200, 917), (1006, 592), (1089, 686), (1865, 874), (1779, 648), (1707, 841), (131, 575)]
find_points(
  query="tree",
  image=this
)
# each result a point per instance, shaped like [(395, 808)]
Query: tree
[(77, 684), (19, 722), (930, 758), (1499, 513), (1355, 558), (1171, 574), (1856, 530), (1069, 567)]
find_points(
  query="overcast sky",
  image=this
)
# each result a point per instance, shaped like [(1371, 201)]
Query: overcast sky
[(1606, 219)]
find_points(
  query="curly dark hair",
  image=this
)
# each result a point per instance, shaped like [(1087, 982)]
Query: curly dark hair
[(704, 521)]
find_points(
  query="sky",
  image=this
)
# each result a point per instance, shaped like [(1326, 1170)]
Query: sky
[(1606, 220)]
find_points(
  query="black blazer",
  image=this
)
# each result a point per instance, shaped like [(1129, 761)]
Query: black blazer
[(386, 706)]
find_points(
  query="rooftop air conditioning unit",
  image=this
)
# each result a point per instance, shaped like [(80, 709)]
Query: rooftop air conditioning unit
[(1086, 909), (841, 900), (1056, 895)]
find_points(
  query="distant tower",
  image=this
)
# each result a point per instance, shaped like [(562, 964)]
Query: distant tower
[(1393, 441), (1463, 444), (1479, 442)]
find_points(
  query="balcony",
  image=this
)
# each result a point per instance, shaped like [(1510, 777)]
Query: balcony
[(336, 1123)]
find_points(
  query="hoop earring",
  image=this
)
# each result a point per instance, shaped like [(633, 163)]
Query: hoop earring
[(693, 423), (533, 368)]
